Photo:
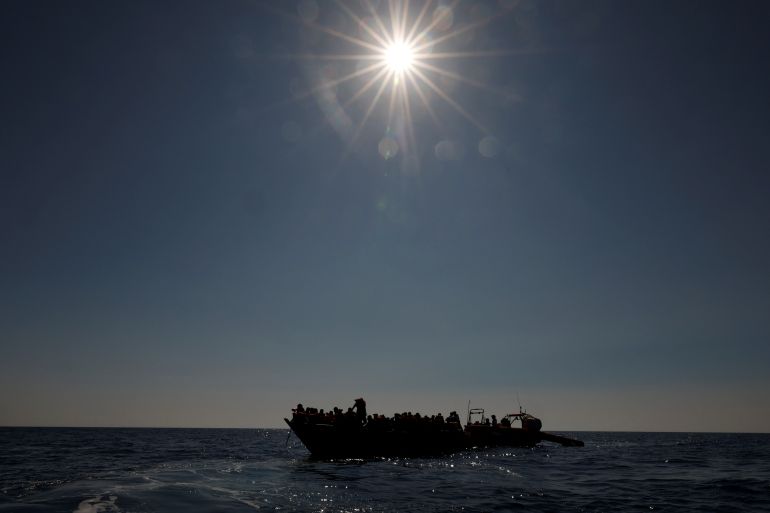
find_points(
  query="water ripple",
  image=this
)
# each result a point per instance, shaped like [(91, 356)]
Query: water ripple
[(103, 470)]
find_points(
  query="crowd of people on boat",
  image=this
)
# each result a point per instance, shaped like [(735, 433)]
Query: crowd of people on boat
[(356, 416)]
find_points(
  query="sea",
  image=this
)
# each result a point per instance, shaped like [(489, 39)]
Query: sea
[(91, 470)]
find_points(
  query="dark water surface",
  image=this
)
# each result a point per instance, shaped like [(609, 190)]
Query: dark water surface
[(238, 470)]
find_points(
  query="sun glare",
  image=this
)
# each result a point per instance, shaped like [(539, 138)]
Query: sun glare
[(399, 57)]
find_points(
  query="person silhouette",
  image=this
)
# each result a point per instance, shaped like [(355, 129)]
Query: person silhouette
[(360, 406)]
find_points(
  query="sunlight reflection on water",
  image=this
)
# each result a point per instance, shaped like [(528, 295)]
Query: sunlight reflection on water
[(244, 470)]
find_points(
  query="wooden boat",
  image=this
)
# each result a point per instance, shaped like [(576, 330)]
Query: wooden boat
[(342, 436)]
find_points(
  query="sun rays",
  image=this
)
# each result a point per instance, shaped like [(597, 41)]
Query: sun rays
[(401, 51)]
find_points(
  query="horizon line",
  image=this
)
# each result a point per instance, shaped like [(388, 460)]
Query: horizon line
[(287, 428)]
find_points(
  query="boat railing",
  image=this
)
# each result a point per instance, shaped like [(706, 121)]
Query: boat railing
[(475, 413)]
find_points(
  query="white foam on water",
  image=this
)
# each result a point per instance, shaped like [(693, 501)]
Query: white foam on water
[(99, 504)]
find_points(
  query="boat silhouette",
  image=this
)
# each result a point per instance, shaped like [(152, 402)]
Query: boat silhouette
[(353, 434)]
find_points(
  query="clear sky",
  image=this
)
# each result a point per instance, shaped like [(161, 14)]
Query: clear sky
[(211, 211)]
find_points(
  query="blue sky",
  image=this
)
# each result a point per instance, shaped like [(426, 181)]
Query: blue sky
[(191, 236)]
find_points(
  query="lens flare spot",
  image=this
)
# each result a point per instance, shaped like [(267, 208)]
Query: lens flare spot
[(388, 147), (449, 150), (308, 10), (443, 18), (489, 147)]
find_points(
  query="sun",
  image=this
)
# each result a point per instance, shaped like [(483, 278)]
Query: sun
[(399, 72), (399, 57)]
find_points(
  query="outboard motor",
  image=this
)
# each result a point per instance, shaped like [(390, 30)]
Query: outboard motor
[(530, 423)]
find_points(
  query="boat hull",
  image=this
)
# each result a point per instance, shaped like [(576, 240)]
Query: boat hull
[(327, 441)]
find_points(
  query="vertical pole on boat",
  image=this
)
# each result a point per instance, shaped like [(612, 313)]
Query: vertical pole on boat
[(468, 417)]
